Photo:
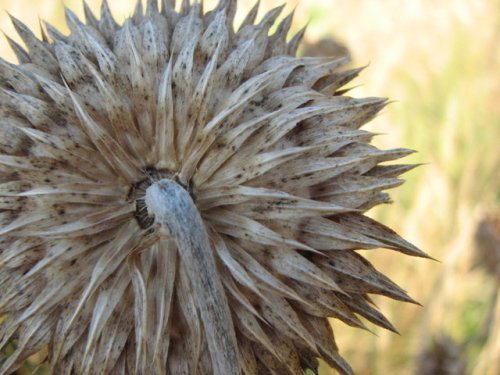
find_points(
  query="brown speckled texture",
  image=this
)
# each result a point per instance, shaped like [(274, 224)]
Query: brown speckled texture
[(267, 146)]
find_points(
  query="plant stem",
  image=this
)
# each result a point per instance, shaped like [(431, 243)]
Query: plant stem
[(174, 209)]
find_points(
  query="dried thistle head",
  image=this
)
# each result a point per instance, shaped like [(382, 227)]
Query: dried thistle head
[(330, 47), (444, 356), (181, 197), (487, 244)]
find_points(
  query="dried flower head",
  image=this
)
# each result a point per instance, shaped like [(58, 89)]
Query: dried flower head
[(487, 244), (444, 356), (330, 47), (179, 197)]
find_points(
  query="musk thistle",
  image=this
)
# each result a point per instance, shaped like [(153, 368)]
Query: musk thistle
[(179, 197)]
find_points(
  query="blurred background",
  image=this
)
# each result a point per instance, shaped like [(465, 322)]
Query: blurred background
[(439, 61)]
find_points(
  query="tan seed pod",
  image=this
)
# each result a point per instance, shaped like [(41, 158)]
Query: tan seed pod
[(179, 196)]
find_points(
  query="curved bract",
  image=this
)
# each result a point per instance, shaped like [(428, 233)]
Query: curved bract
[(264, 146)]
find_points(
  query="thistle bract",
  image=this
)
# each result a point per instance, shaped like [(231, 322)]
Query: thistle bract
[(179, 196)]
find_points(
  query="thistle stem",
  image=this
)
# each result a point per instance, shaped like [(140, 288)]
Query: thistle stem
[(174, 209)]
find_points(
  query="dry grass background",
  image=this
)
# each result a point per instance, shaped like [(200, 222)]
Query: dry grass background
[(440, 61)]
